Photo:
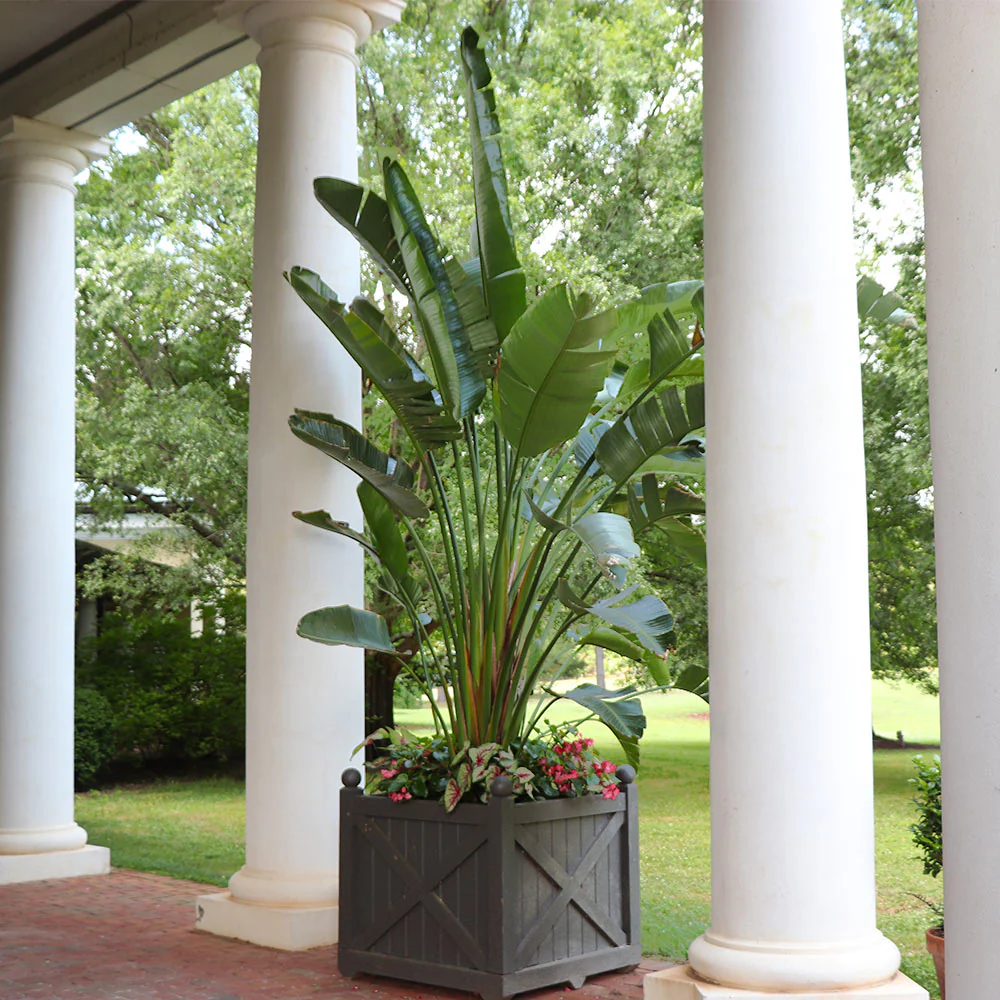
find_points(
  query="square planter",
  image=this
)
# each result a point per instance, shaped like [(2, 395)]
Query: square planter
[(495, 899)]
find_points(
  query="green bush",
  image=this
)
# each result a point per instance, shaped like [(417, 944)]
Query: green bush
[(94, 743), (927, 830), (174, 696)]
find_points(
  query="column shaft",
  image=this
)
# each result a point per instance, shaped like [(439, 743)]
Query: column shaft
[(37, 476), (305, 702), (793, 884), (960, 92)]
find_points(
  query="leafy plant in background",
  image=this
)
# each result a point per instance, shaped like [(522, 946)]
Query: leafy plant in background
[(558, 457), (927, 830)]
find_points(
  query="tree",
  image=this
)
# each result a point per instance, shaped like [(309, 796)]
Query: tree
[(163, 319)]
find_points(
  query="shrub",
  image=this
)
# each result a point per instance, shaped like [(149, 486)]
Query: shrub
[(927, 830), (174, 696), (94, 743)]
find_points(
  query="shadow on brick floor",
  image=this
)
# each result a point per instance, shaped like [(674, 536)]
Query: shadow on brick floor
[(130, 936)]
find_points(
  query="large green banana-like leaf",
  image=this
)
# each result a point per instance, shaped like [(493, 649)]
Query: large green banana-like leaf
[(874, 302), (660, 425), (682, 298), (609, 538), (648, 619), (368, 339), (475, 317), (321, 519), (439, 314), (608, 638), (619, 712), (366, 216), (648, 503), (344, 444), (503, 278), (689, 541), (693, 679), (384, 532), (346, 626), (551, 370)]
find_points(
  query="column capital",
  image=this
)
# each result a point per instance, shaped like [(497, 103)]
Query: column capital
[(335, 25), (49, 154)]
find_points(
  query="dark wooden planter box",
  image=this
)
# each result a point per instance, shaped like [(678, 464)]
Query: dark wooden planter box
[(495, 899)]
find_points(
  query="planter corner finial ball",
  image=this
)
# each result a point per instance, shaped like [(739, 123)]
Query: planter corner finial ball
[(351, 777), (501, 786), (625, 774)]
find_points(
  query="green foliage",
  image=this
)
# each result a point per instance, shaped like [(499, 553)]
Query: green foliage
[(927, 830), (560, 763), (172, 696), (164, 258), (94, 743), (522, 543)]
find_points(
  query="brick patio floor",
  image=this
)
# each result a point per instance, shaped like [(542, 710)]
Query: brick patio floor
[(129, 936)]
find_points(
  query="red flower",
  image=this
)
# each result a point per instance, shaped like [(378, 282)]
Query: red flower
[(611, 792), (402, 795), (389, 772)]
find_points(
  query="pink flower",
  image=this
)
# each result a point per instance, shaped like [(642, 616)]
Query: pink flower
[(611, 792), (389, 772), (402, 795)]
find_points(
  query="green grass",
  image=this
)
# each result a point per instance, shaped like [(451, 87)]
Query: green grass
[(195, 829), (186, 829)]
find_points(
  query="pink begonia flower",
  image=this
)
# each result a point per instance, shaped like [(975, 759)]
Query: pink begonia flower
[(402, 795), (389, 772), (611, 792)]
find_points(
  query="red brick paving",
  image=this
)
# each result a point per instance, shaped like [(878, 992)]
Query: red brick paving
[(129, 936)]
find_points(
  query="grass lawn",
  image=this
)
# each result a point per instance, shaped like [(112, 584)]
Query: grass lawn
[(194, 829)]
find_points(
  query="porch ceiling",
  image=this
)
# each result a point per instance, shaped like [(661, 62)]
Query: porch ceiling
[(98, 64)]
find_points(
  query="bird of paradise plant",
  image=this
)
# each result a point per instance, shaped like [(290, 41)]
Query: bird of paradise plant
[(541, 457)]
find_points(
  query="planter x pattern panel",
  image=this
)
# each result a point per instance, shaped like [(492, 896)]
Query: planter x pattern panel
[(571, 886), (422, 888)]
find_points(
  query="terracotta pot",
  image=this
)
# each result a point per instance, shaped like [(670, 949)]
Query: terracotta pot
[(935, 945)]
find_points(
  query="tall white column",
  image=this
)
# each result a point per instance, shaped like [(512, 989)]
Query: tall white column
[(959, 97), (38, 837), (305, 702), (793, 880)]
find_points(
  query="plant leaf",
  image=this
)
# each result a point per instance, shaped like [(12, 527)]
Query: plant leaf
[(536, 512), (386, 537), (609, 538), (659, 425), (551, 370), (321, 519), (648, 503), (375, 348), (452, 795), (346, 626), (694, 679), (344, 444), (366, 216), (608, 638), (622, 715), (503, 278), (875, 303), (648, 619), (435, 303)]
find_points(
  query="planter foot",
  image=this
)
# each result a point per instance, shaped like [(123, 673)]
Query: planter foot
[(576, 982)]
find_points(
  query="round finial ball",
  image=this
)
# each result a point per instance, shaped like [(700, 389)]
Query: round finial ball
[(501, 786), (625, 774), (351, 777)]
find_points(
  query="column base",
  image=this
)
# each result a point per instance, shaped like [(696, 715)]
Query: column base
[(87, 860), (680, 983), (291, 928)]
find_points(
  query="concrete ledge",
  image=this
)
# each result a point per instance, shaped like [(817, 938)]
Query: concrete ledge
[(86, 860), (291, 928), (680, 983)]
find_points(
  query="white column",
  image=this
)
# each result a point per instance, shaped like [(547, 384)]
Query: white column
[(305, 702), (959, 97), (793, 880), (38, 838)]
